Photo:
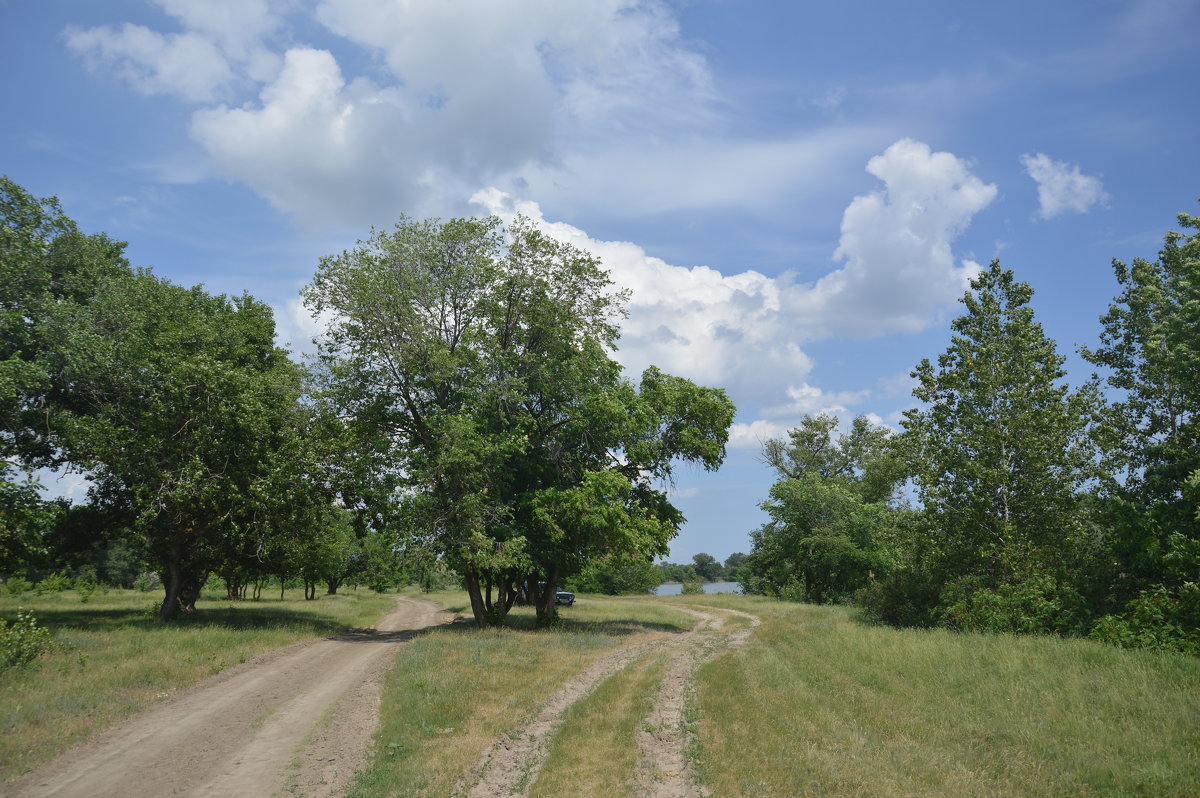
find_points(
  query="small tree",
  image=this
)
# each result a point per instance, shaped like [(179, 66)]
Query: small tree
[(832, 528)]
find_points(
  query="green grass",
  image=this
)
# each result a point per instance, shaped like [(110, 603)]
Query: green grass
[(110, 658), (818, 704), (596, 746), (456, 689)]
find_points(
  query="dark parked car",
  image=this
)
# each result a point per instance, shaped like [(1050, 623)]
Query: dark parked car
[(564, 597)]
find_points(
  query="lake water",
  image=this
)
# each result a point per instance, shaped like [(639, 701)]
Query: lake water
[(675, 588)]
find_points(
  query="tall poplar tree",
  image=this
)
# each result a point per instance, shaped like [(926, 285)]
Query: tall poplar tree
[(1000, 446)]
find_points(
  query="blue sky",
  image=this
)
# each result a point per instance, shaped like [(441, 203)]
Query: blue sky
[(796, 193)]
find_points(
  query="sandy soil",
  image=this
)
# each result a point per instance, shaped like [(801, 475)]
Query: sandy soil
[(298, 719)]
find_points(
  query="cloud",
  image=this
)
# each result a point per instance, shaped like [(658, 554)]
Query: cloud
[(807, 399), (1062, 187), (222, 39), (183, 64), (747, 331), (896, 244), (750, 437)]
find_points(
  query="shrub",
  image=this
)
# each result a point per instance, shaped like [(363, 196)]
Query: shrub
[(1035, 604), (85, 590), (147, 581), (906, 597), (1162, 618), (23, 640), (693, 587), (16, 586), (54, 583)]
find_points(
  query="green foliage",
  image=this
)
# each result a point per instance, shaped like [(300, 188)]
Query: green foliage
[(676, 572), (908, 596), (1149, 354), (186, 419), (1000, 452), (706, 565), (618, 578), (471, 360), (16, 586), (693, 588), (832, 528), (733, 565), (25, 520), (1035, 604), (383, 568), (1161, 617), (54, 583), (23, 640)]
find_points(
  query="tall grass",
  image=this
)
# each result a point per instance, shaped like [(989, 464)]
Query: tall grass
[(111, 658), (454, 690), (818, 704)]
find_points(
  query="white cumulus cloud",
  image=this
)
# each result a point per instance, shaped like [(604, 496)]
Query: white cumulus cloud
[(183, 64), (1062, 188), (221, 40), (746, 331)]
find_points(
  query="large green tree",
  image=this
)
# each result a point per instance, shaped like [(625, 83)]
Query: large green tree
[(1149, 354), (479, 353), (1000, 447), (184, 413)]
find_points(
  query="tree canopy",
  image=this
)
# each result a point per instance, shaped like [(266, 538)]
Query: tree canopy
[(479, 353)]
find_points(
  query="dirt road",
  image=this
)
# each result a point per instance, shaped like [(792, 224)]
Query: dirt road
[(299, 719), (511, 764)]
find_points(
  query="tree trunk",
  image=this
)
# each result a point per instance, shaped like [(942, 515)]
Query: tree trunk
[(547, 611), (478, 609), (189, 591), (171, 582), (333, 585)]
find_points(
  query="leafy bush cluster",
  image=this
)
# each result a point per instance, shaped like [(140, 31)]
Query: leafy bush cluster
[(23, 640)]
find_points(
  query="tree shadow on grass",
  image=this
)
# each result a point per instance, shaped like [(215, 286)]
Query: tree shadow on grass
[(243, 616), (623, 627)]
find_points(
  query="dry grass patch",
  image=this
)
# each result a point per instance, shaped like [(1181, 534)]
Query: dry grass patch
[(110, 658)]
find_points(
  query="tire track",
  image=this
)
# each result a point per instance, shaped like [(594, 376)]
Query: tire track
[(664, 769), (510, 766)]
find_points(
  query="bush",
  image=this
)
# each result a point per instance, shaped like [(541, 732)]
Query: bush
[(16, 586), (1162, 618), (1036, 604), (903, 598), (23, 640), (54, 583), (146, 581), (693, 587), (618, 579)]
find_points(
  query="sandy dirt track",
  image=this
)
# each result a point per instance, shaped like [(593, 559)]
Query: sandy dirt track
[(510, 766), (299, 718)]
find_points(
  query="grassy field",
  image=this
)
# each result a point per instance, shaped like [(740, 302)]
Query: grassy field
[(816, 704), (111, 658), (819, 704)]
